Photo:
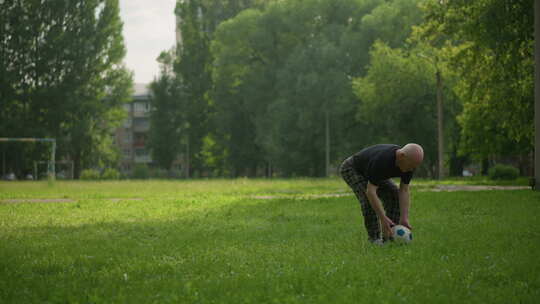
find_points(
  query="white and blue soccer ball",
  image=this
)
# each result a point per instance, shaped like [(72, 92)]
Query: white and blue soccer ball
[(401, 234)]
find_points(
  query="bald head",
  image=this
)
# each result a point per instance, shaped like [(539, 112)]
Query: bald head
[(410, 157), (414, 152)]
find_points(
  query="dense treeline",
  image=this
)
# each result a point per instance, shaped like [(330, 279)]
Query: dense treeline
[(288, 88), (279, 95), (292, 87), (492, 51), (61, 76), (184, 88)]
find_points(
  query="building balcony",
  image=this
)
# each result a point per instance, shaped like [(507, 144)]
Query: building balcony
[(143, 159), (141, 114), (141, 125), (139, 144)]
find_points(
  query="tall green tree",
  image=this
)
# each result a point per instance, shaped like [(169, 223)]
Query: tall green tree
[(241, 85), (100, 83), (285, 72), (198, 20), (496, 64), (165, 118), (62, 75), (192, 69), (398, 99)]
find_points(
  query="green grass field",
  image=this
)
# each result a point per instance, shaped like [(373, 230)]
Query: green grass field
[(260, 241)]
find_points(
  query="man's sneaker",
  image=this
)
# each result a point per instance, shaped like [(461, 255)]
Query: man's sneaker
[(389, 239)]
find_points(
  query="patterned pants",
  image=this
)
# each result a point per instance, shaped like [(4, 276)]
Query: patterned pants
[(387, 192)]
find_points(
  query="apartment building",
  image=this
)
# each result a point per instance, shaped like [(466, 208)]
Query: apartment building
[(132, 136)]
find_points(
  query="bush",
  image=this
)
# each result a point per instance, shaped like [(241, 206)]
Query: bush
[(176, 174), (503, 172), (89, 174), (141, 172), (110, 173)]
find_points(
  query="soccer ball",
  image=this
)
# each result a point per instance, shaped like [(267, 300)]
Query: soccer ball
[(401, 234)]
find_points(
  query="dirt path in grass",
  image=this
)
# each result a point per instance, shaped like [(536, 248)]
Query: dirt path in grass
[(437, 188), (59, 200), (450, 188)]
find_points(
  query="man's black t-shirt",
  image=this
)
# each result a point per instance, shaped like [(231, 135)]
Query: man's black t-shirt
[(378, 163)]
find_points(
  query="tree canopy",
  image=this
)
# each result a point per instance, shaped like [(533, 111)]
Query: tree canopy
[(291, 87), (62, 75), (286, 72), (495, 63)]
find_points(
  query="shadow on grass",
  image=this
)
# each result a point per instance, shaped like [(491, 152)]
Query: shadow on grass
[(208, 246), (243, 223)]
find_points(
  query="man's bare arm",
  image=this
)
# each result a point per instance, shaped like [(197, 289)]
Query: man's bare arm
[(377, 206), (404, 205)]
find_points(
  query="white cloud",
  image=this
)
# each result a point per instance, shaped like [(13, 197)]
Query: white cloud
[(149, 29)]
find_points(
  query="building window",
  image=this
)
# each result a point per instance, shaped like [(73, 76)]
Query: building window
[(141, 123), (142, 107), (127, 122), (140, 140), (140, 152), (128, 138)]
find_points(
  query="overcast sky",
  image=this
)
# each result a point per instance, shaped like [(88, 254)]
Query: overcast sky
[(148, 30)]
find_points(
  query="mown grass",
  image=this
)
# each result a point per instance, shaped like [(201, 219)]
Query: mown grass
[(213, 242)]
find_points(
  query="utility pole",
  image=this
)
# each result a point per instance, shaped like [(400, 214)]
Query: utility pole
[(327, 143), (440, 124), (3, 161), (536, 181), (187, 164)]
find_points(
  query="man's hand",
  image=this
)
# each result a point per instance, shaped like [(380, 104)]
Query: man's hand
[(387, 224), (405, 222)]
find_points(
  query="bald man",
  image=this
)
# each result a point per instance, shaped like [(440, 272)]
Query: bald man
[(369, 174)]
